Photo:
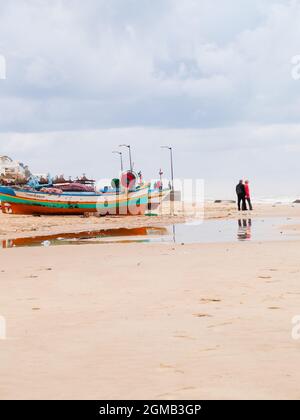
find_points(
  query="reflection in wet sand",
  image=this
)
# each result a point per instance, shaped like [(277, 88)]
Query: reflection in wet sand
[(244, 229), (211, 231), (83, 237)]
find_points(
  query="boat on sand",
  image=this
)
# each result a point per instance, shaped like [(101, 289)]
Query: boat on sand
[(124, 202), (156, 196)]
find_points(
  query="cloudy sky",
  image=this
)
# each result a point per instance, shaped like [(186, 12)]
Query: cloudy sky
[(213, 78)]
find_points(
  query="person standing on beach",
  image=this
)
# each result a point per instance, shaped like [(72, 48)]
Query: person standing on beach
[(241, 195), (248, 197)]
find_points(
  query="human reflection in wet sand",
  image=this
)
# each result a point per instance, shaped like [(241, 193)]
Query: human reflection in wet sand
[(174, 234), (244, 229)]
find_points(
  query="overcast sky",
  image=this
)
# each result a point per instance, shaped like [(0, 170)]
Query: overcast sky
[(213, 78)]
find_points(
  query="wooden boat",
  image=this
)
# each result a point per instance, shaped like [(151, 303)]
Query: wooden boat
[(125, 202)]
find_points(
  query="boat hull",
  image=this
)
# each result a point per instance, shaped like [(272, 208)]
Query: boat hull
[(156, 197), (37, 203)]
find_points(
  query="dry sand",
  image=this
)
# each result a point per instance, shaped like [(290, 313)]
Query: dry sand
[(151, 321)]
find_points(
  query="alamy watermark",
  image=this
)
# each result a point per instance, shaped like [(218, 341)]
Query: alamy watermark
[(2, 328), (2, 67), (295, 61), (296, 327), (182, 197)]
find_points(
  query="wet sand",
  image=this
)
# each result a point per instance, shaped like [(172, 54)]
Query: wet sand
[(16, 226), (150, 321)]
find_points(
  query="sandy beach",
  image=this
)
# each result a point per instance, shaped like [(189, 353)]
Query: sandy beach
[(132, 133), (149, 321)]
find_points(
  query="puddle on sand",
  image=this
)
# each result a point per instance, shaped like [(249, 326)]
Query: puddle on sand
[(242, 230), (104, 235), (210, 231)]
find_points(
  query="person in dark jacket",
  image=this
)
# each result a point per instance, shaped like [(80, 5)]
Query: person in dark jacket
[(241, 195)]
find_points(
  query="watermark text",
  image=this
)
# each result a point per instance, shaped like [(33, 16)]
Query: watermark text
[(296, 327), (2, 328), (2, 67)]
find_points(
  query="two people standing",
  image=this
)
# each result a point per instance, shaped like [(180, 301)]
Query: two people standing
[(243, 195)]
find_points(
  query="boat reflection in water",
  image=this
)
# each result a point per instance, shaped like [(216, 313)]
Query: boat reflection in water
[(244, 230), (141, 234)]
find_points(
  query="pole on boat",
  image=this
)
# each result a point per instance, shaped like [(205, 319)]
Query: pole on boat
[(121, 159), (172, 164), (130, 157), (160, 176)]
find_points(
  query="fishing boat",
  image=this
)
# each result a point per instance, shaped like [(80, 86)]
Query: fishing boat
[(30, 201), (156, 196)]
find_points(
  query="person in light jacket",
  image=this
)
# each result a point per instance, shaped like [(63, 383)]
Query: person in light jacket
[(248, 196)]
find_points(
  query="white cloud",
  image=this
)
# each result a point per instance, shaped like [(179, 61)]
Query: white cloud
[(268, 155), (214, 76), (212, 63)]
